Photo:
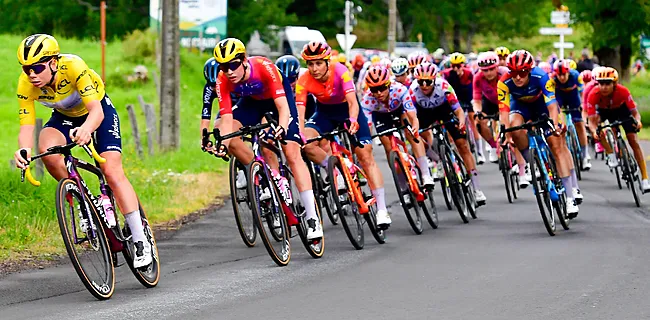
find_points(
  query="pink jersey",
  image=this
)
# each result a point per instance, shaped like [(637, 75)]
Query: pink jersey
[(332, 91), (488, 89), (588, 88)]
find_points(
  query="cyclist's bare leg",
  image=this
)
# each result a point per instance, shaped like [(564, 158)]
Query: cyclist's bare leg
[(463, 148), (581, 129), (385, 141), (238, 147), (51, 137), (375, 179), (313, 150), (633, 140), (297, 165), (477, 137), (125, 196)]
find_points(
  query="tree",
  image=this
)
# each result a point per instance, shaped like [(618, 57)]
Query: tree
[(615, 24), (246, 16)]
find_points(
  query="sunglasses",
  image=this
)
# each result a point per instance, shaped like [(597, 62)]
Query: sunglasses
[(457, 66), (36, 68), (425, 82), (381, 88), (520, 73), (605, 82), (232, 65)]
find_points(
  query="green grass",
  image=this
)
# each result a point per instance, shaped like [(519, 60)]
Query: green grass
[(28, 225)]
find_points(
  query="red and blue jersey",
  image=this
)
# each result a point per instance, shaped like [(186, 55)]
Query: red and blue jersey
[(539, 86)]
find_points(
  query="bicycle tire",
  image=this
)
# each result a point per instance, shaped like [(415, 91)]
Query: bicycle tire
[(505, 172), (455, 186), (150, 275), (258, 180), (315, 247), (101, 291), (469, 190), (575, 156), (350, 216), (627, 170), (371, 217), (540, 189), (560, 205), (429, 204), (247, 229), (324, 196), (444, 182), (609, 135), (403, 189)]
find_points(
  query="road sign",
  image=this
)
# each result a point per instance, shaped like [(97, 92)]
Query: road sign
[(564, 45), (340, 38), (560, 17), (555, 31)]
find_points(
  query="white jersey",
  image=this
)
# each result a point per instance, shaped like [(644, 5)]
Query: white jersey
[(398, 97), (442, 93)]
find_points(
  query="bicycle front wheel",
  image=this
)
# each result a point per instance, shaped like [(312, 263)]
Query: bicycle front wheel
[(629, 172), (411, 209), (269, 215), (347, 207), (150, 275), (241, 204), (541, 190), (575, 153), (454, 181), (85, 240), (505, 172)]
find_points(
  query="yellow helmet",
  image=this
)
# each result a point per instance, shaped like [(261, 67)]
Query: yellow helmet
[(37, 48), (342, 58), (375, 59), (572, 64), (502, 51), (229, 49), (457, 58)]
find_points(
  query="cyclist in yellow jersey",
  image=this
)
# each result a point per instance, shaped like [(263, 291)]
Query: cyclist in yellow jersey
[(81, 107)]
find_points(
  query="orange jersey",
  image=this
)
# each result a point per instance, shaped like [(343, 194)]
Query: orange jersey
[(333, 91)]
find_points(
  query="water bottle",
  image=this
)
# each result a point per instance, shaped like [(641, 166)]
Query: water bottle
[(350, 165), (109, 212), (283, 185)]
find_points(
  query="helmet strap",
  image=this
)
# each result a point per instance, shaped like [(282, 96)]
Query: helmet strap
[(245, 71), (52, 71)]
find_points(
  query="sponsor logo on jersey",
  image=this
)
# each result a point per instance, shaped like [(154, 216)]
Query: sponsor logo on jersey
[(64, 83), (20, 96), (90, 89), (550, 85)]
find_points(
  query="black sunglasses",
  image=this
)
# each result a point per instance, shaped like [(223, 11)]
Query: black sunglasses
[(36, 68), (606, 82), (454, 66), (425, 82), (381, 88), (232, 65)]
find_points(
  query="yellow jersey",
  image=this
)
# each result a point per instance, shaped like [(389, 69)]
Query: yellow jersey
[(75, 86)]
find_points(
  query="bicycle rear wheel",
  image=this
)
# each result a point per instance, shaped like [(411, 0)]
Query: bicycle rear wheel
[(444, 181), (315, 247), (469, 191), (371, 217), (322, 193), (85, 240), (609, 135), (241, 205), (347, 207), (505, 172), (150, 275), (560, 205), (269, 215), (406, 197), (575, 153), (540, 188)]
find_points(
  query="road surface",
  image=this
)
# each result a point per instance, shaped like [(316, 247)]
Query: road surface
[(501, 266)]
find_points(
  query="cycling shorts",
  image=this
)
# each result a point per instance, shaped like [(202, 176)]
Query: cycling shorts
[(387, 120), (427, 117), (328, 117), (620, 113)]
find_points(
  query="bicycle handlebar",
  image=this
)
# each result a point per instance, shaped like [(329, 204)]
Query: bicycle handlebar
[(405, 124), (617, 123), (26, 173)]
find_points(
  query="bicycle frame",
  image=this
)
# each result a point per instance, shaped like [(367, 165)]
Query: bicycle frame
[(407, 160), (572, 128)]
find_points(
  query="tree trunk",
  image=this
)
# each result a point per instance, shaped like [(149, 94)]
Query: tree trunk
[(442, 35), (470, 36), (170, 77), (625, 53), (608, 57), (457, 36)]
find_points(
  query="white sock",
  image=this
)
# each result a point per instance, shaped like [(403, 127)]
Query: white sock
[(424, 166), (308, 201), (134, 221), (379, 195)]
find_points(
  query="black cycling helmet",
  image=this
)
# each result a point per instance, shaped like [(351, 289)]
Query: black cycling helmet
[(211, 70), (289, 67)]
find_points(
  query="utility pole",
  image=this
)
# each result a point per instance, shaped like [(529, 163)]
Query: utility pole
[(348, 8), (170, 77), (392, 25), (102, 31)]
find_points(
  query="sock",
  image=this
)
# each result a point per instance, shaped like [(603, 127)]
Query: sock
[(379, 195), (134, 221), (433, 155), (492, 143), (308, 201), (525, 154), (474, 174), (583, 152), (566, 181), (522, 169), (574, 179), (424, 166)]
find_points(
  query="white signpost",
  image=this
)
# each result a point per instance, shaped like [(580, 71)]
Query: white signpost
[(346, 45), (561, 18)]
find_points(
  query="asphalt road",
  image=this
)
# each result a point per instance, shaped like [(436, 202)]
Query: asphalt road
[(501, 266)]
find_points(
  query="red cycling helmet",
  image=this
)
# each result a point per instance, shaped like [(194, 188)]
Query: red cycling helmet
[(586, 76), (520, 60), (377, 76), (316, 50), (561, 66)]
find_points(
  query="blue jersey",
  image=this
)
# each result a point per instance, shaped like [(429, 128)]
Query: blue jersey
[(539, 86), (569, 93)]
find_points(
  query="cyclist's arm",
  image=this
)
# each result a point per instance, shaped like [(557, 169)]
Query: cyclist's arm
[(209, 94), (477, 95), (26, 113), (548, 91), (409, 109), (273, 82), (95, 116), (225, 106), (91, 89), (503, 95), (301, 100), (350, 94), (590, 105), (631, 105)]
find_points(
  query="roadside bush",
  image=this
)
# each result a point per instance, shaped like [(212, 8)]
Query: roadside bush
[(139, 46)]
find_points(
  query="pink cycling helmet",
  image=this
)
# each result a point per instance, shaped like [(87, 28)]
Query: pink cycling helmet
[(545, 66), (488, 60)]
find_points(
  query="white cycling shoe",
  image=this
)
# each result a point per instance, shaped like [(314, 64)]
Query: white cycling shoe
[(383, 218), (142, 254), (241, 182), (314, 229)]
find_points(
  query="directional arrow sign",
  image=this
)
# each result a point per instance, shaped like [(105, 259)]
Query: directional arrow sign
[(340, 38), (555, 31), (565, 45), (560, 17)]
